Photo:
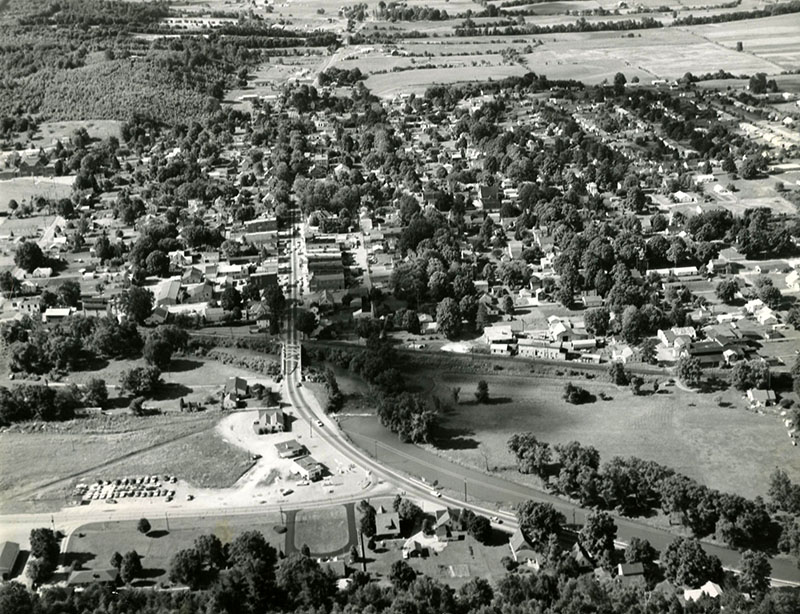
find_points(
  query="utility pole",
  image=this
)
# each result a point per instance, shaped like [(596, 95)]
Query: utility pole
[(465, 490), (166, 517), (376, 449), (363, 553)]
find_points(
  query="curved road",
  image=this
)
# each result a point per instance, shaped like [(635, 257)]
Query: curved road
[(396, 461)]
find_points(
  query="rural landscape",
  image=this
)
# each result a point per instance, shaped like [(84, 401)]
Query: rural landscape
[(399, 307)]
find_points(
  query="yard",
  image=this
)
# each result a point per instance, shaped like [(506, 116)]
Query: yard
[(41, 468), (93, 544), (710, 437), (24, 189)]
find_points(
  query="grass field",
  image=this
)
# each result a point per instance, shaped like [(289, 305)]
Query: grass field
[(93, 544), (41, 468), (322, 530), (25, 188), (98, 129), (727, 447)]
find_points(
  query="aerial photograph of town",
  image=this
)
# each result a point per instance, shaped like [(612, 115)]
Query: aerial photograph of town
[(399, 306)]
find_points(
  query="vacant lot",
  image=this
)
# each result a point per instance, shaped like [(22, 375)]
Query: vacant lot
[(93, 544), (41, 468), (98, 129), (725, 447)]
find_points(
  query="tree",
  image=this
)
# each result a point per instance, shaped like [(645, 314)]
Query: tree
[(401, 575), (631, 324), (756, 571), (475, 594), (29, 256), (758, 83), (276, 305), (157, 351), (96, 393), (186, 567), (140, 381), (640, 551), (115, 561), (137, 304), (597, 320), (507, 304), (131, 567), (210, 548), (69, 293), (304, 582), (749, 374), (617, 374), (251, 547), (726, 290), (532, 455), (44, 545), (367, 520), (231, 299), (480, 528), (143, 526), (619, 83), (686, 563), (538, 521), (157, 263), (482, 392), (688, 370), (305, 322), (481, 318), (448, 317), (598, 534)]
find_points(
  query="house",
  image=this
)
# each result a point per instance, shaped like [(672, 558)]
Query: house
[(201, 292), (86, 577), (498, 334), (710, 589), (500, 349), (444, 527), (488, 198), (631, 574), (56, 314), (793, 281), (270, 420), (523, 552), (309, 468), (761, 398), (387, 525), (96, 307), (621, 352), (412, 548), (536, 348), (290, 449), (9, 551), (42, 272), (166, 292)]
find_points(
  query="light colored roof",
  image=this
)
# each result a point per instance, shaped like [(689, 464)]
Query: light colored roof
[(709, 588)]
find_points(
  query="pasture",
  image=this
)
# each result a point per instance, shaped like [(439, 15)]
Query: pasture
[(710, 437), (322, 530)]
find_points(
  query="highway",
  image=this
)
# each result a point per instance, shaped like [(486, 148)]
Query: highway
[(398, 462)]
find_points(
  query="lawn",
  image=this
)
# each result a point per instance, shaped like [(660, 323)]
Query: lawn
[(42, 467), (725, 447), (322, 530), (93, 544)]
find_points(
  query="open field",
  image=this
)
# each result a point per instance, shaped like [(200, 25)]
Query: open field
[(41, 468), (392, 84), (26, 188), (93, 544), (727, 447), (97, 128), (322, 530)]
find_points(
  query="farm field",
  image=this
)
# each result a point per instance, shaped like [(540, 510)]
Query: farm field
[(98, 129), (727, 447), (417, 81), (41, 468), (93, 544)]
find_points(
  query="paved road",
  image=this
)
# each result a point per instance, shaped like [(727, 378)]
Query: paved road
[(397, 461)]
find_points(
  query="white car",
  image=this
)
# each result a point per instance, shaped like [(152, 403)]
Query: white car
[(319, 423), (496, 520), (436, 494)]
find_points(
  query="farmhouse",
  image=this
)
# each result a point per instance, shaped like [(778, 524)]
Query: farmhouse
[(760, 398), (523, 552), (387, 525), (86, 577)]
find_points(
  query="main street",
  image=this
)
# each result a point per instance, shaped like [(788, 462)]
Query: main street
[(399, 462)]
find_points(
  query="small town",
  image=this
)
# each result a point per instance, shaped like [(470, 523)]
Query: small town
[(384, 308)]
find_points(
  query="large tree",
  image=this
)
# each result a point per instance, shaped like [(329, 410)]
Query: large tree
[(448, 317), (29, 256), (137, 303), (686, 563), (539, 520)]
